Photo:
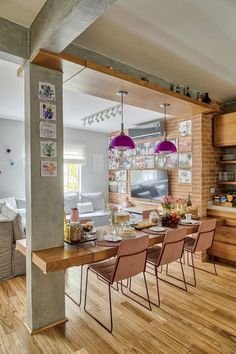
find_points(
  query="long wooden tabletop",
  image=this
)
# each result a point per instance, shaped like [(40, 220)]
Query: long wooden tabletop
[(60, 258)]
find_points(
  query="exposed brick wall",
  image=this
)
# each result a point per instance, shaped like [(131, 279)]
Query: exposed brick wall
[(204, 164), (210, 157)]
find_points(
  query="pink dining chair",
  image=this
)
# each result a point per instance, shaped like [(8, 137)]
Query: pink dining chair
[(130, 261), (171, 250), (202, 241)]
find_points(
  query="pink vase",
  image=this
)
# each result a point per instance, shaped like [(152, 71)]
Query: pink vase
[(74, 216)]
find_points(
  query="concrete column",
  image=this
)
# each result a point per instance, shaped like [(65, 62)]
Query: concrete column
[(45, 302)]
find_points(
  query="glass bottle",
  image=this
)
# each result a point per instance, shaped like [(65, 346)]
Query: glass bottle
[(189, 201)]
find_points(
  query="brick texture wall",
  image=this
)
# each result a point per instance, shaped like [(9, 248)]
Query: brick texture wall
[(204, 164), (210, 157)]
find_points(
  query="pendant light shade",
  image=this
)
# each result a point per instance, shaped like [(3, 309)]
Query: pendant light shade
[(122, 141), (165, 146)]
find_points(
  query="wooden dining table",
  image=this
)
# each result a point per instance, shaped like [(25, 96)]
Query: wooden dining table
[(63, 257)]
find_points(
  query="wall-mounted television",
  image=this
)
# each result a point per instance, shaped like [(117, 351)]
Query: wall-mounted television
[(149, 184)]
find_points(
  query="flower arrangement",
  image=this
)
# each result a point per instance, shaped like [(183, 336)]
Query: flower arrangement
[(170, 219), (167, 202)]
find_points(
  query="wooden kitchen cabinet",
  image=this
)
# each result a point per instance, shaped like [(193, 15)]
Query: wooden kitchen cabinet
[(224, 245), (225, 130)]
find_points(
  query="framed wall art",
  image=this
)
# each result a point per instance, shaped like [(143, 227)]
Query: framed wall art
[(48, 130), (185, 176), (47, 91), (47, 111), (185, 128), (185, 144), (48, 149), (185, 160), (48, 168)]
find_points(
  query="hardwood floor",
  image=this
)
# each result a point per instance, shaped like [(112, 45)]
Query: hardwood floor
[(200, 321)]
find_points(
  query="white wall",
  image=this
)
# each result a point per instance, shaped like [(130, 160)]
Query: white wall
[(12, 181), (95, 143)]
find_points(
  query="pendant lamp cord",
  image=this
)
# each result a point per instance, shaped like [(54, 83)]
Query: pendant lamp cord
[(122, 117), (165, 120)]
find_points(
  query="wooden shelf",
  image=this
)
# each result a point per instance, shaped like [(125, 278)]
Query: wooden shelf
[(227, 162), (227, 183)]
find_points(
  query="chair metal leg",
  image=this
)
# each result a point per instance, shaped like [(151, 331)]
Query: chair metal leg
[(109, 329), (158, 291), (80, 290), (193, 267), (157, 285), (133, 292), (198, 268), (214, 264), (172, 276)]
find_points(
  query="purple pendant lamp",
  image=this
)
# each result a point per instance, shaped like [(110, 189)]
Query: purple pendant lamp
[(165, 146), (122, 141)]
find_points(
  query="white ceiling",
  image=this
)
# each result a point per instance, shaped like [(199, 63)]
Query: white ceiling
[(192, 42), (75, 105), (22, 12)]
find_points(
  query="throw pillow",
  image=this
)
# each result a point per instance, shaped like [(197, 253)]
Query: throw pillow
[(96, 199), (16, 219), (85, 207), (10, 201), (70, 201)]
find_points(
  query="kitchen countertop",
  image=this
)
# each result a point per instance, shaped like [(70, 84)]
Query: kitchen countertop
[(222, 208)]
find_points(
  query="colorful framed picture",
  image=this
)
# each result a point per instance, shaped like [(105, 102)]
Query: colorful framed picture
[(125, 163), (112, 176), (47, 91), (48, 168), (185, 176), (185, 160), (171, 161), (167, 161), (113, 187), (185, 128), (111, 154), (121, 176), (145, 148), (47, 111), (139, 162), (160, 160), (48, 149), (48, 130), (112, 164), (185, 143), (122, 187)]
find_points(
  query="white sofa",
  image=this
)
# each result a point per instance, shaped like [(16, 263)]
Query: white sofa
[(98, 215), (17, 204)]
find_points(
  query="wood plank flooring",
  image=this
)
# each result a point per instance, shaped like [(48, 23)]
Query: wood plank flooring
[(203, 320)]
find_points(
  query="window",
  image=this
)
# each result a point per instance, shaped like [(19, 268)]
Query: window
[(71, 177)]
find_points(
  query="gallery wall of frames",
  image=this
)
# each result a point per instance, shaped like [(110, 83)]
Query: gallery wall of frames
[(182, 133)]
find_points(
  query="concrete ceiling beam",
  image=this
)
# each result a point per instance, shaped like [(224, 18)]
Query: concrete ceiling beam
[(60, 22), (13, 41)]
